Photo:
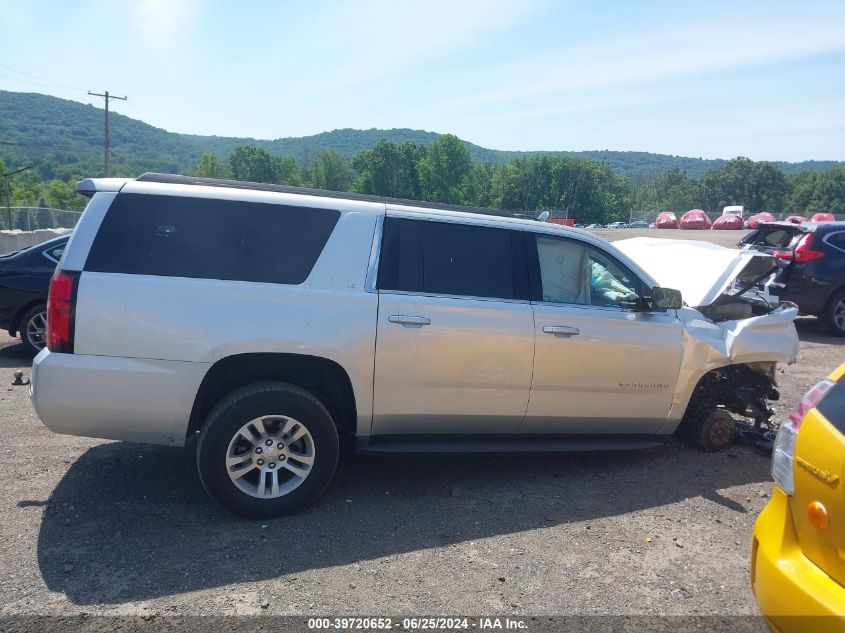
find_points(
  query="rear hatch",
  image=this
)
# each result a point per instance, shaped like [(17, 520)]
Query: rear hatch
[(819, 473), (772, 237)]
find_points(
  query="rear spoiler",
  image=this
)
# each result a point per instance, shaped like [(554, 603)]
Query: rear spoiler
[(90, 186)]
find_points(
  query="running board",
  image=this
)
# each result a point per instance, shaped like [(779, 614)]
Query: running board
[(462, 444)]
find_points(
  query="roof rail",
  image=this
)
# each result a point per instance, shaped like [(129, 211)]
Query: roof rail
[(174, 179)]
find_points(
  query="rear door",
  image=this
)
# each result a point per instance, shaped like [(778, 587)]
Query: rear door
[(455, 339), (600, 366)]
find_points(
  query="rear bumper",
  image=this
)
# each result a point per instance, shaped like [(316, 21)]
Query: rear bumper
[(785, 582), (131, 399)]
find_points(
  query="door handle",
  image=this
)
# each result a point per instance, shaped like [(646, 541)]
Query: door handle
[(561, 331), (409, 321)]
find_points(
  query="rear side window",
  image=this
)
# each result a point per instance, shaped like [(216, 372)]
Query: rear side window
[(452, 259), (212, 239), (837, 240), (56, 252)]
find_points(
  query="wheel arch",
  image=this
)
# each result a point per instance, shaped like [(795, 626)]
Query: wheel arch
[(325, 378), (829, 301)]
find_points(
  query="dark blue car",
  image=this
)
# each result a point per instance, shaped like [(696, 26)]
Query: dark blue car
[(812, 271), (24, 281)]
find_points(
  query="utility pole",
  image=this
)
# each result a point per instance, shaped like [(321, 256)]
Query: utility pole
[(107, 161), (7, 176)]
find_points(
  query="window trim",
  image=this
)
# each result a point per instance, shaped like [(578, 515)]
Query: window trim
[(519, 263), (46, 252), (826, 239), (535, 280)]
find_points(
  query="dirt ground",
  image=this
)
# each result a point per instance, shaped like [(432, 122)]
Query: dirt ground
[(115, 528)]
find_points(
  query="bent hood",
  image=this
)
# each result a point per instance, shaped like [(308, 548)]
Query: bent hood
[(700, 270)]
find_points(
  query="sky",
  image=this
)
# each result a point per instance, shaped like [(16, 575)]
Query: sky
[(712, 79)]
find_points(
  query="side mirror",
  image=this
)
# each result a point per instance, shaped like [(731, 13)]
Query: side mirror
[(666, 298), (543, 216)]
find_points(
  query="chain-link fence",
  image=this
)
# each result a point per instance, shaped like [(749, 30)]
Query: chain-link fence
[(33, 218)]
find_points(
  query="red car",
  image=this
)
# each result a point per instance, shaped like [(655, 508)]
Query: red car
[(796, 219), (695, 219), (757, 218), (728, 222), (823, 217), (666, 220)]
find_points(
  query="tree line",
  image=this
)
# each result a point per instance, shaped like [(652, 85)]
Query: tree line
[(443, 171)]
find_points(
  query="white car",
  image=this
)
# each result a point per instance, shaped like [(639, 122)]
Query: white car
[(278, 323)]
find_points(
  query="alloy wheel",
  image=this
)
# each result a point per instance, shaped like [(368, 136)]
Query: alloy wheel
[(36, 330), (270, 456)]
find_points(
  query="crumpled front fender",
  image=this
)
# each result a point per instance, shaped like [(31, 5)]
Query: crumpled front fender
[(708, 345)]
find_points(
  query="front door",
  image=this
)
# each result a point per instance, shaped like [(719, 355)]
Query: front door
[(600, 366)]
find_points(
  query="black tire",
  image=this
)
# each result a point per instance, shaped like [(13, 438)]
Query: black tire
[(244, 405), (714, 431), (834, 313), (33, 347)]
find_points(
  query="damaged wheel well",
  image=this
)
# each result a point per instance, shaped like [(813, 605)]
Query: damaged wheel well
[(743, 389)]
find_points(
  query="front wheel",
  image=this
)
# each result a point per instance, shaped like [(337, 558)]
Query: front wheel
[(267, 449), (713, 432)]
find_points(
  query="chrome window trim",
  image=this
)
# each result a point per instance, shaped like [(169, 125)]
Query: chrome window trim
[(826, 238), (46, 254)]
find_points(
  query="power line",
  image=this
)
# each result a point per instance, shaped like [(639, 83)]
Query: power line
[(64, 148), (39, 79), (106, 156)]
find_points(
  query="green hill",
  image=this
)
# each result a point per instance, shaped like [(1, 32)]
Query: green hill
[(63, 139)]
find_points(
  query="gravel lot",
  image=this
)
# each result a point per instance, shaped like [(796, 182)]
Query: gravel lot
[(117, 528)]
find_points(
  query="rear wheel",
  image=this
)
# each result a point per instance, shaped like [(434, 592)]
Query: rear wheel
[(33, 329), (267, 449), (834, 313)]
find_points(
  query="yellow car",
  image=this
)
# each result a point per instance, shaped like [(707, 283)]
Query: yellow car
[(798, 552)]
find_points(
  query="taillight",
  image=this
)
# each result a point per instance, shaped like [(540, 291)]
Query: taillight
[(803, 253), (783, 453), (61, 304)]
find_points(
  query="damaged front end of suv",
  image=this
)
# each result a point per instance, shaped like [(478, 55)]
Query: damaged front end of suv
[(734, 337)]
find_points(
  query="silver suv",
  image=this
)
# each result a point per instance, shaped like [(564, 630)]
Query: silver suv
[(278, 324)]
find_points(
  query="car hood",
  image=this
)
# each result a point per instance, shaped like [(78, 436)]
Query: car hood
[(700, 270)]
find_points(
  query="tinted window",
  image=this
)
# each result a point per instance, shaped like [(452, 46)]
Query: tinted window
[(573, 272), (56, 252), (452, 259), (837, 240), (776, 238), (214, 239)]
